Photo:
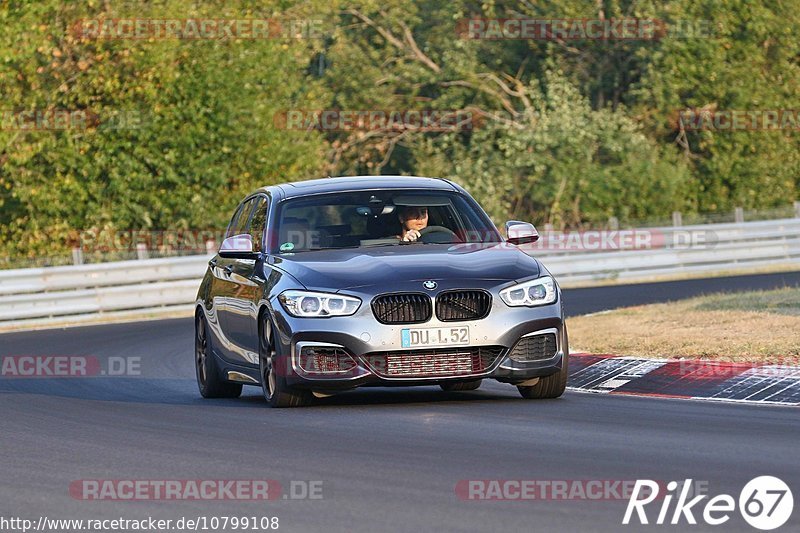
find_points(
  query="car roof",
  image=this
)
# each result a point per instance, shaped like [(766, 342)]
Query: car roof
[(360, 183)]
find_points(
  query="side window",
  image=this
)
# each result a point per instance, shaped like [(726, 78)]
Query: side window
[(240, 219), (232, 224), (257, 223)]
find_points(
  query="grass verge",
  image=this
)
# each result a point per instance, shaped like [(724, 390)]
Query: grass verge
[(758, 326)]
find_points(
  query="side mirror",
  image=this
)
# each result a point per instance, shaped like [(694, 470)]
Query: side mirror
[(521, 232), (237, 246)]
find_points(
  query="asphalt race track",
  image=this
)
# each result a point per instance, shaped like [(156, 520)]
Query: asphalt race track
[(388, 459)]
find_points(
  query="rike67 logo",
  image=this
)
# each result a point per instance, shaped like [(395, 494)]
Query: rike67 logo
[(765, 503)]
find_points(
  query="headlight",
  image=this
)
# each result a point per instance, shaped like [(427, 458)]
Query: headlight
[(318, 304), (540, 291)]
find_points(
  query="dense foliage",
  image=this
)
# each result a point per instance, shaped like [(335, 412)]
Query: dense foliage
[(570, 132)]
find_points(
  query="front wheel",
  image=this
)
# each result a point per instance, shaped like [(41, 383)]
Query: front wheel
[(273, 374), (209, 381)]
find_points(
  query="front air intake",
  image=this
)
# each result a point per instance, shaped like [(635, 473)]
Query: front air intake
[(438, 362)]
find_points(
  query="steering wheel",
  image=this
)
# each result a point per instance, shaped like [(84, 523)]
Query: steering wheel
[(437, 235)]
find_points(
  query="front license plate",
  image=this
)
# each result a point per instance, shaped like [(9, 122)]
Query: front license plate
[(414, 337)]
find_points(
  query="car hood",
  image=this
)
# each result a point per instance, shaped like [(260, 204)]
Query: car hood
[(382, 266)]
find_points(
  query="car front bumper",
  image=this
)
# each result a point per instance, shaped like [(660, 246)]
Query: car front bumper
[(363, 339)]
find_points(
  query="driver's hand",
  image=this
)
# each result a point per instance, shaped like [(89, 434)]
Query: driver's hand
[(411, 236)]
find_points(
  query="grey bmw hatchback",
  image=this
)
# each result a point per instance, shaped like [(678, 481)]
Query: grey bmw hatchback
[(326, 285)]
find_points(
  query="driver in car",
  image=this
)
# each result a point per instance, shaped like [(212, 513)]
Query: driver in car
[(412, 220)]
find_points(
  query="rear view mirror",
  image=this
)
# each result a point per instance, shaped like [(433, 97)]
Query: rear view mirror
[(521, 232)]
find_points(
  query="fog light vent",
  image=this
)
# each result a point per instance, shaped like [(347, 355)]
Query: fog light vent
[(325, 360), (534, 348)]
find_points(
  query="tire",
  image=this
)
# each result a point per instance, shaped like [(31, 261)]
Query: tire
[(272, 370), (209, 380), (461, 386), (551, 386)]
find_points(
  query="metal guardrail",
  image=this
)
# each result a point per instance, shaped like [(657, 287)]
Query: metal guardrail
[(723, 247), (37, 295), (152, 285), (49, 279)]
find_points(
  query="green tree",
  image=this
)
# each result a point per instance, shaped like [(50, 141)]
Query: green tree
[(201, 134)]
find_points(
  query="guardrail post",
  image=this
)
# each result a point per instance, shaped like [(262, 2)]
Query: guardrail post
[(677, 219), (797, 209), (77, 256), (738, 215), (141, 251)]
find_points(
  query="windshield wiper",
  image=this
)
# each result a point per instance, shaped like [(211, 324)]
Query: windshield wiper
[(379, 245)]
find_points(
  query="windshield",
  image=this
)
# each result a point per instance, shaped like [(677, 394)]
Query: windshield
[(379, 218)]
